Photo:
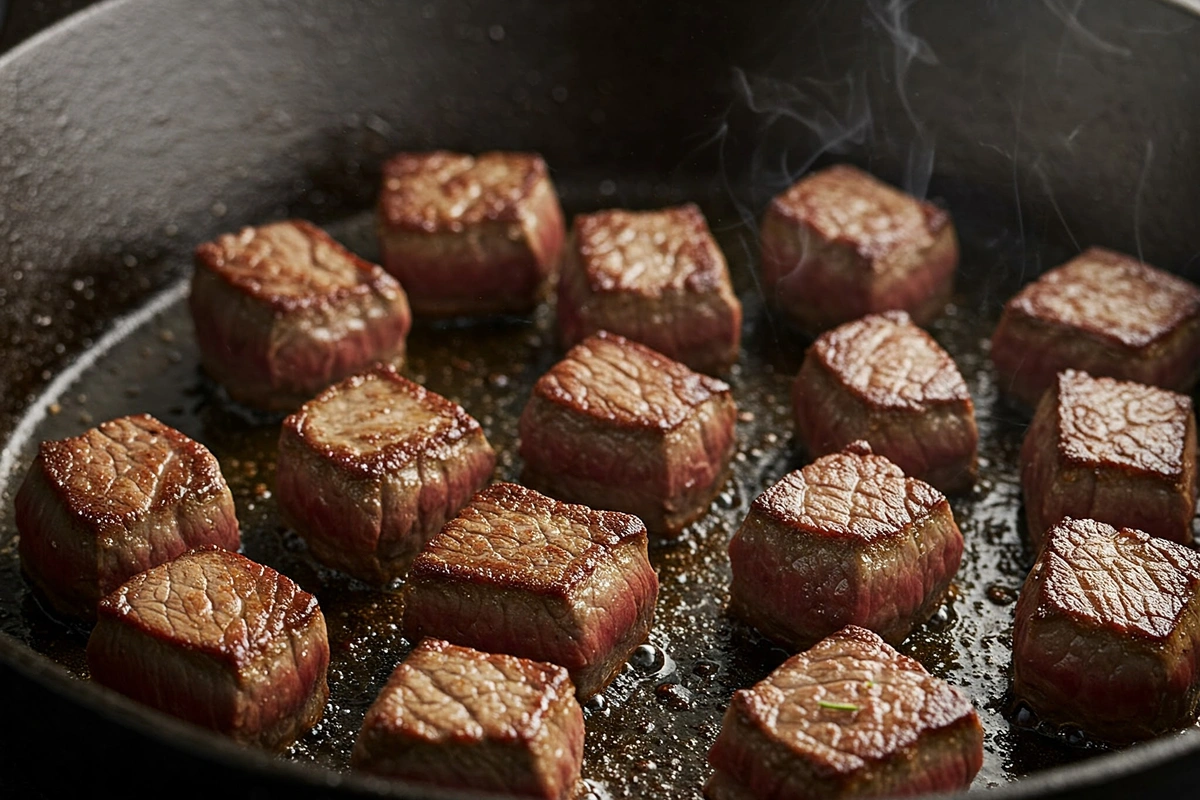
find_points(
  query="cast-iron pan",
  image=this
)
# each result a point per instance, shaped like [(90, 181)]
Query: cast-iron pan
[(138, 129)]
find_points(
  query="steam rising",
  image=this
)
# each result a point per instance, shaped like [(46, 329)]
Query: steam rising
[(836, 115)]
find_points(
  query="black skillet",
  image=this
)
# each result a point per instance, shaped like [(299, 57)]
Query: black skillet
[(137, 129)]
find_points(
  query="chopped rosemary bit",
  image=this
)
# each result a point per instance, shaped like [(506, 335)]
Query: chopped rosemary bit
[(837, 706)]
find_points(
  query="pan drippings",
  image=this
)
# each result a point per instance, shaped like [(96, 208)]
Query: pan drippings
[(648, 733)]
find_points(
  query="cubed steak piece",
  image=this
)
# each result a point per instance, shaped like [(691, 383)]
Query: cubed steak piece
[(656, 277), (1113, 451), (220, 641), (97, 509), (840, 244), (847, 540), (884, 380), (519, 573), (617, 425), (282, 311), (372, 468), (470, 235), (849, 718), (1104, 313), (1107, 632), (457, 718)]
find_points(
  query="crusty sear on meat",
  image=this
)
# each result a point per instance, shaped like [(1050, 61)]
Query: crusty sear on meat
[(520, 573), (470, 235), (370, 470), (282, 311), (96, 509), (1115, 451), (220, 641), (847, 540), (1106, 314), (1107, 630), (656, 277), (617, 425), (840, 244), (886, 381), (455, 717), (849, 718)]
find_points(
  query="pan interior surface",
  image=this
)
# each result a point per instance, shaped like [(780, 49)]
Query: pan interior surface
[(649, 732)]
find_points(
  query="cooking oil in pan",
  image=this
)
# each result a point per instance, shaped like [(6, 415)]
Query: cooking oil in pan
[(648, 733)]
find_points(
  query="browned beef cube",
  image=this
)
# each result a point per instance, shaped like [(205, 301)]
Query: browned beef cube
[(519, 573), (1107, 632), (848, 540), (840, 244), (282, 311), (372, 468), (127, 495), (220, 641), (454, 717), (849, 718), (1114, 451), (470, 235), (616, 425), (656, 277), (1105, 313), (884, 380)]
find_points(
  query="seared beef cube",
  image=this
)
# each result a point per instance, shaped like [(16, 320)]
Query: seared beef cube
[(847, 540), (470, 235), (373, 467), (1107, 632), (128, 495), (656, 277), (849, 718), (884, 380), (1113, 451), (616, 425), (519, 573), (1105, 313), (220, 641), (840, 244), (454, 717), (282, 311)]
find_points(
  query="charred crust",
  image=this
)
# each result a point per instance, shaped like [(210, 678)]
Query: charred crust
[(1072, 538), (288, 608), (393, 455), (686, 243), (1132, 325), (606, 530), (772, 504), (551, 683), (59, 460), (225, 258), (839, 350), (1160, 451), (945, 707), (805, 203), (687, 389), (404, 204)]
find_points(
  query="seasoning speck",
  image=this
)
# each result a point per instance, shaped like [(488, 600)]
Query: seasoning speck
[(837, 706)]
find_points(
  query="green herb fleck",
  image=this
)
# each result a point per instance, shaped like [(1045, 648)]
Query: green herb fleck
[(837, 706), (870, 684)]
